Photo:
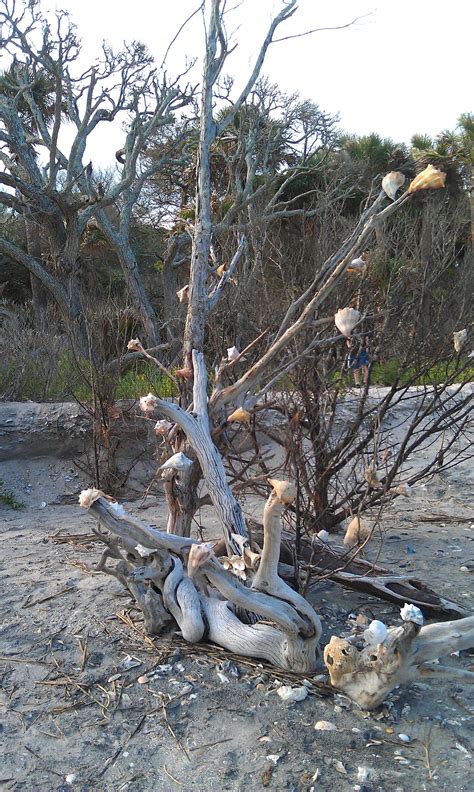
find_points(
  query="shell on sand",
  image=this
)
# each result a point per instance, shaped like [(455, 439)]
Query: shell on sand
[(346, 319), (392, 182), (429, 179)]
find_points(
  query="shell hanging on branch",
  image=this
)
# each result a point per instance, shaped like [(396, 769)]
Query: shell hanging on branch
[(358, 265), (376, 633), (232, 354), (183, 294), (429, 179), (135, 345), (404, 489), (284, 490), (162, 427), (199, 554), (392, 182), (410, 613), (239, 416), (370, 475), (459, 339), (184, 373), (148, 403), (346, 319), (357, 531), (178, 462), (89, 496)]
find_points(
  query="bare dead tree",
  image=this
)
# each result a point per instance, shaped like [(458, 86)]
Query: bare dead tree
[(151, 563)]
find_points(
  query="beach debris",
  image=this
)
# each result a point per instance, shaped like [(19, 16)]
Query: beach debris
[(291, 695), (364, 774), (410, 613), (346, 319), (392, 182), (376, 633), (358, 265), (70, 778), (339, 767), (459, 339), (404, 738), (430, 178), (142, 680), (323, 536), (275, 758), (323, 725)]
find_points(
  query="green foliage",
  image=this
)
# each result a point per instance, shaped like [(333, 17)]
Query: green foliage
[(386, 373), (8, 499), (143, 379)]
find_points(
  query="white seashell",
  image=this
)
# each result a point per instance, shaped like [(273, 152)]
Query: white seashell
[(459, 339), (89, 496), (142, 551), (70, 778), (148, 403), (178, 461), (392, 182), (339, 766), (376, 633), (364, 774), (325, 726), (162, 427), (346, 319), (183, 294), (291, 695), (404, 738), (222, 677), (273, 758), (323, 535), (232, 353), (410, 613)]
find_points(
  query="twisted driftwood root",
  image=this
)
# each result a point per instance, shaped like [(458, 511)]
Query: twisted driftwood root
[(367, 675), (172, 578)]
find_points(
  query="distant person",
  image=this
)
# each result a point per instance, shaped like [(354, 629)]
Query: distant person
[(358, 358)]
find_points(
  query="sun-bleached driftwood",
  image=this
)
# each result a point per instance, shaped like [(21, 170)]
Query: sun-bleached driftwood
[(172, 577), (369, 673)]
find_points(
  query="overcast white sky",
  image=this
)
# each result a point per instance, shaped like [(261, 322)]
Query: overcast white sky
[(406, 68)]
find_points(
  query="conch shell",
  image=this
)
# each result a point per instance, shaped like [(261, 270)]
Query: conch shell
[(392, 182), (148, 403), (357, 265), (178, 462), (162, 427), (429, 179), (239, 416), (403, 489), (284, 490), (232, 354), (376, 633), (199, 554), (135, 345), (410, 613), (183, 294), (346, 319), (370, 476), (357, 531), (184, 373), (89, 496), (459, 339), (220, 270)]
